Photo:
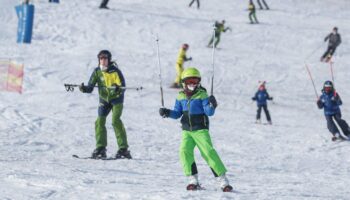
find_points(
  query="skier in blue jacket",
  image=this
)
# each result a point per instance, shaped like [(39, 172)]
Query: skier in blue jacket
[(330, 102), (261, 97)]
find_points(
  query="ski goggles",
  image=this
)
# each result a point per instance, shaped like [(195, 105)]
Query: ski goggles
[(102, 57), (192, 81)]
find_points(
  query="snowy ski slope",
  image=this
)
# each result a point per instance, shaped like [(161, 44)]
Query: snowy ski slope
[(292, 159)]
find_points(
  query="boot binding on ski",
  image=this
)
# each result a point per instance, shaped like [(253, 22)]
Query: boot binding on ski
[(193, 187), (123, 153), (99, 153)]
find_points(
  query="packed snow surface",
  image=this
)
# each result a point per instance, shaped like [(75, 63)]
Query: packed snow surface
[(292, 159)]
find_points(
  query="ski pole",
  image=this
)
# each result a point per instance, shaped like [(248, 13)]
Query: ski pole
[(313, 83), (160, 74), (70, 87), (213, 54)]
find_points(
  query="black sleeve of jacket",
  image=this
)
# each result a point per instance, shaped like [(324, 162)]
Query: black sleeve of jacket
[(319, 104), (91, 83), (327, 37), (339, 40), (255, 97)]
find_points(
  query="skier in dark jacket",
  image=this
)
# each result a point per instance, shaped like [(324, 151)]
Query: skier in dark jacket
[(109, 79), (330, 102), (334, 41), (261, 97), (197, 1)]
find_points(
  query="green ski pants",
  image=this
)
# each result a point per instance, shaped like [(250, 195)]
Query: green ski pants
[(201, 139), (217, 40), (251, 16), (118, 126)]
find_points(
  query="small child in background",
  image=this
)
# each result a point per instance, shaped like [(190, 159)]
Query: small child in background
[(261, 97)]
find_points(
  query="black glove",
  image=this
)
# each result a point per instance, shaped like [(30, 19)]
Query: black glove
[(190, 58), (253, 98), (319, 103), (335, 98), (212, 101), (164, 112), (82, 88), (116, 87), (271, 98)]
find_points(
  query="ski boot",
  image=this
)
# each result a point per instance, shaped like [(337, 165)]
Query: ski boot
[(99, 153), (269, 122), (224, 184), (123, 153), (335, 137), (193, 183), (258, 121)]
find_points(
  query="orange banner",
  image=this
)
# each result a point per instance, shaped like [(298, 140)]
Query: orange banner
[(11, 76)]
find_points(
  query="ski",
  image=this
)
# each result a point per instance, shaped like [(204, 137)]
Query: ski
[(89, 157)]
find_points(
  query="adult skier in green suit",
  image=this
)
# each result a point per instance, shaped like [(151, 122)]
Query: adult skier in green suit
[(219, 28), (109, 79)]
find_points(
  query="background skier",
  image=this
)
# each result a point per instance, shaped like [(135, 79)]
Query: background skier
[(194, 106), (334, 41), (261, 97), (219, 27), (252, 12), (330, 102), (181, 58), (109, 79)]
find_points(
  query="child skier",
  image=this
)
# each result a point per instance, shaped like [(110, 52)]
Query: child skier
[(181, 58), (261, 97), (194, 106), (330, 101)]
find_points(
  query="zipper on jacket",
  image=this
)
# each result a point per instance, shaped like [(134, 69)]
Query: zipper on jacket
[(189, 116)]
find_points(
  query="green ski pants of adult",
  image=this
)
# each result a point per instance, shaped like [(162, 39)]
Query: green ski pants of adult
[(217, 40), (201, 139), (118, 126), (252, 16)]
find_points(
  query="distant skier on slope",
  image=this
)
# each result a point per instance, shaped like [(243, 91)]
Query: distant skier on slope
[(181, 58), (107, 75), (334, 41), (261, 97), (219, 28), (330, 102), (252, 13), (194, 106)]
